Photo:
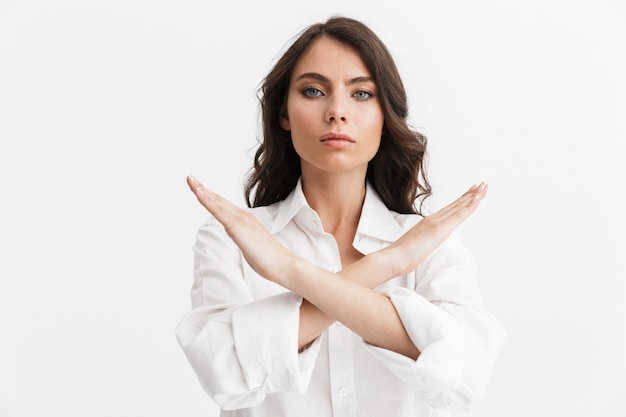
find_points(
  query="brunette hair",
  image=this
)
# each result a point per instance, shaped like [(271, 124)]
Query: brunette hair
[(397, 170)]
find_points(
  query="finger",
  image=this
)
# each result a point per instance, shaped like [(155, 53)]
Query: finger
[(476, 189), (464, 211), (223, 210), (462, 207), (463, 200), (193, 185), (204, 194)]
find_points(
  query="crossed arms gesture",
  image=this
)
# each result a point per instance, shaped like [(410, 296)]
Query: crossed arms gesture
[(347, 296)]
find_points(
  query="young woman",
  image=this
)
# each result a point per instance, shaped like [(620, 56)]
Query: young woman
[(333, 296)]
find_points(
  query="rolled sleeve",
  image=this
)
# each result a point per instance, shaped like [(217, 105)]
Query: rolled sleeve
[(265, 336), (457, 339), (240, 348), (483, 337), (438, 337), (240, 355)]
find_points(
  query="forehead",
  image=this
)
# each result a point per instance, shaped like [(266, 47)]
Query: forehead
[(330, 57)]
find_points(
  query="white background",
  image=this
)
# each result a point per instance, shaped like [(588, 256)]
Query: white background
[(106, 106)]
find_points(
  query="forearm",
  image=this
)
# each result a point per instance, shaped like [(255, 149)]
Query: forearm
[(314, 321), (348, 297)]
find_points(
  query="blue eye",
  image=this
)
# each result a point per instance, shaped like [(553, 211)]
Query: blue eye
[(311, 92), (362, 95)]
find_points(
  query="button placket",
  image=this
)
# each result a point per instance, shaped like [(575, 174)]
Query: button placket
[(341, 343)]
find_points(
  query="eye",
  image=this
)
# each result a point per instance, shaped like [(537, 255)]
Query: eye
[(311, 92), (362, 95)]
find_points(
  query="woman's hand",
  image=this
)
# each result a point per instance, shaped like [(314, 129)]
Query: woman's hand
[(262, 251), (405, 254), (271, 260), (343, 296)]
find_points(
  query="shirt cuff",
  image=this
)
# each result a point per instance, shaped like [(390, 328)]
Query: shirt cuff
[(265, 335), (439, 338)]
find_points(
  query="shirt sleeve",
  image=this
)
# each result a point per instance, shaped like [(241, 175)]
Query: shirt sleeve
[(241, 349), (457, 339)]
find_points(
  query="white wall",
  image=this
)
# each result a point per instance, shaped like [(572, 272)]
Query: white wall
[(106, 106)]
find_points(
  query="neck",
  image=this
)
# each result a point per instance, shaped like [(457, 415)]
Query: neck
[(337, 199)]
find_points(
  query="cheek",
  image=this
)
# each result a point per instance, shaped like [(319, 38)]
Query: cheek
[(301, 125), (374, 121), (300, 119), (375, 126), (370, 115), (375, 147)]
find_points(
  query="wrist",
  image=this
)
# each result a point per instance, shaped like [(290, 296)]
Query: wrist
[(378, 267), (391, 261), (293, 268)]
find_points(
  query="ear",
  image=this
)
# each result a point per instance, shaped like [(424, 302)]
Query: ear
[(284, 119)]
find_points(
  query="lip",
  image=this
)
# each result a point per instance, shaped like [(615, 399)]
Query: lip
[(336, 140)]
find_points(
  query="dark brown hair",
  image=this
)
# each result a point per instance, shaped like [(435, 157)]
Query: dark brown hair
[(397, 170)]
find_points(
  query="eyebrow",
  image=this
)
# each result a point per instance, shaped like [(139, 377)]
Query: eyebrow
[(321, 78)]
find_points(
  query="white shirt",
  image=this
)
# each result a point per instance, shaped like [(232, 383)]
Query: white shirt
[(241, 337)]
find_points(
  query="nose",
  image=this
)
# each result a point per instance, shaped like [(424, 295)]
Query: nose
[(332, 118), (336, 111)]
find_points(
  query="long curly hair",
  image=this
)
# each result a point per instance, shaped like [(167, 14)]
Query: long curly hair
[(396, 172)]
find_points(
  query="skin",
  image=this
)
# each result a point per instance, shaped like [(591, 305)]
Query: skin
[(330, 92)]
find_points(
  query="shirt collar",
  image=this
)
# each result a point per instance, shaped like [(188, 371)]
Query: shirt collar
[(289, 207), (376, 220)]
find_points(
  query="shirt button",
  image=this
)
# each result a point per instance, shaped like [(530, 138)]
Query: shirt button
[(343, 392), (332, 269)]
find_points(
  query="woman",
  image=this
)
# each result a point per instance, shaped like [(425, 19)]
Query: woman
[(332, 295)]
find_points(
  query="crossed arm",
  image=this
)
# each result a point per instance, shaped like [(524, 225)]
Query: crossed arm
[(347, 296)]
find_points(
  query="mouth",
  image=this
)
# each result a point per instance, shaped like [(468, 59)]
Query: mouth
[(336, 139)]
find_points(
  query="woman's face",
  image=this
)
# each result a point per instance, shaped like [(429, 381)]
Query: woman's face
[(333, 110)]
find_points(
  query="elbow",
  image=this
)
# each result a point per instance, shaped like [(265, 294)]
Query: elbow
[(229, 401), (226, 388), (217, 370), (461, 398), (449, 386)]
